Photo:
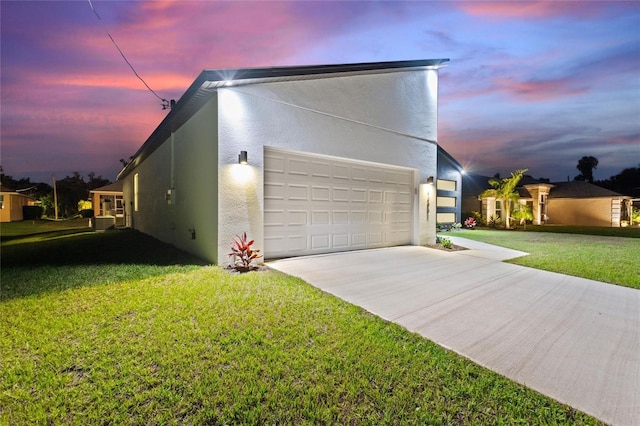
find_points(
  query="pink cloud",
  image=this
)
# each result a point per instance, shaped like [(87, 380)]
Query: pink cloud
[(537, 90), (221, 34), (160, 81), (503, 10)]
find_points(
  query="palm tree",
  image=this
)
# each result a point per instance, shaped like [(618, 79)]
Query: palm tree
[(523, 213), (504, 189)]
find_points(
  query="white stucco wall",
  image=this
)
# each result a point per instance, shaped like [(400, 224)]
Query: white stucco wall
[(385, 118), (186, 163)]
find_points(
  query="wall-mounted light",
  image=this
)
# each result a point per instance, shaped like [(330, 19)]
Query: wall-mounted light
[(242, 158), (430, 180)]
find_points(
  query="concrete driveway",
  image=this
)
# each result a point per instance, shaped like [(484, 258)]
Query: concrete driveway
[(573, 339)]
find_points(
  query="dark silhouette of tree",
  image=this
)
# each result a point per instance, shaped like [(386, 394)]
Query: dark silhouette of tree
[(25, 186), (96, 182), (72, 189), (586, 166), (627, 182)]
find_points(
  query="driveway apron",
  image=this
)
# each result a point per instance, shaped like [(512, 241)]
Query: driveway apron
[(573, 339)]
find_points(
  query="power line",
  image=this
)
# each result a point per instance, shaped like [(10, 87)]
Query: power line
[(165, 103)]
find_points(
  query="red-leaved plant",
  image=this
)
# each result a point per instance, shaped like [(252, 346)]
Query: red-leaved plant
[(470, 223), (242, 253)]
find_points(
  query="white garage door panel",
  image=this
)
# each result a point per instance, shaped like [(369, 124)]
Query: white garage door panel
[(319, 205)]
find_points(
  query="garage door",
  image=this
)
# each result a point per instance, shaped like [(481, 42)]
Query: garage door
[(316, 204)]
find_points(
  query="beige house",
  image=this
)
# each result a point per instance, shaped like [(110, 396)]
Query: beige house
[(11, 203), (582, 203), (108, 201), (559, 203)]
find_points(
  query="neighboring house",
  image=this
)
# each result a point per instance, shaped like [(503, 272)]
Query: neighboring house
[(448, 189), (556, 203), (108, 200), (582, 203), (338, 157), (11, 203)]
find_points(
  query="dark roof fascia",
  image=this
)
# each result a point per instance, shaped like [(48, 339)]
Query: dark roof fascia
[(449, 157), (206, 84)]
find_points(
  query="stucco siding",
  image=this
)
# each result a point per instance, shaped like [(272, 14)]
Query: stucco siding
[(12, 209), (385, 118), (579, 211), (390, 99), (178, 187)]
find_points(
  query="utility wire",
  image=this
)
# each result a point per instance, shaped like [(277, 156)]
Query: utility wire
[(165, 103)]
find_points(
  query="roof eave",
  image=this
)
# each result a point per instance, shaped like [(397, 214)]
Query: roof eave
[(209, 81)]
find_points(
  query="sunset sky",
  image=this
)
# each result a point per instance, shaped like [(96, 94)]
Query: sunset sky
[(532, 85)]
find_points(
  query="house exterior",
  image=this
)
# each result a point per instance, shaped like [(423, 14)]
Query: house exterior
[(11, 203), (108, 200), (582, 203), (576, 203), (338, 157)]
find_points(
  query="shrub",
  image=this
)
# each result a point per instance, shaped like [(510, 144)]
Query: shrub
[(242, 253), (455, 226), (445, 242), (31, 212), (477, 216), (635, 215), (470, 223)]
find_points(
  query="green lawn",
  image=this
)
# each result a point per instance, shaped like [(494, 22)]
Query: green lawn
[(11, 230), (117, 328), (603, 258)]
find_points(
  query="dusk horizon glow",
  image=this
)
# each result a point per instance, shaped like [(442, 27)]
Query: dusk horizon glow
[(534, 85)]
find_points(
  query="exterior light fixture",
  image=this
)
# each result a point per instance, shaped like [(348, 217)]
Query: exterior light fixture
[(242, 158), (430, 180)]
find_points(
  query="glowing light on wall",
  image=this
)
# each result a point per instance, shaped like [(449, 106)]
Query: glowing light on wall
[(241, 174), (432, 82), (231, 104)]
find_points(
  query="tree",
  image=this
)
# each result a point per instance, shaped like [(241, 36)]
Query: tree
[(523, 213), (504, 189), (25, 186), (586, 166), (72, 189), (627, 182)]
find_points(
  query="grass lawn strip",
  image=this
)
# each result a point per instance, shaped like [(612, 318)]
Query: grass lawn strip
[(601, 258)]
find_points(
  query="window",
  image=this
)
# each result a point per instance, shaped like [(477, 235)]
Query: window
[(498, 208), (135, 192), (446, 201), (119, 205), (446, 185), (1, 201), (446, 217)]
